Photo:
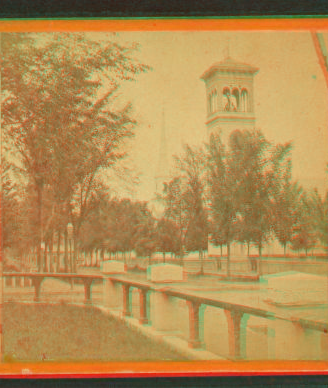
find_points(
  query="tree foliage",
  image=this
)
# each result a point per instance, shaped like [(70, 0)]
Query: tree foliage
[(60, 115)]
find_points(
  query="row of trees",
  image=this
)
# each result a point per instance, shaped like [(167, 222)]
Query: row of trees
[(63, 125), (122, 226), (242, 192)]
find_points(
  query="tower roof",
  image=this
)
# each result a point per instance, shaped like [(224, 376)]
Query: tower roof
[(229, 65)]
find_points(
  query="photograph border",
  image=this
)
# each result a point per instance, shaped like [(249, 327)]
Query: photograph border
[(167, 369)]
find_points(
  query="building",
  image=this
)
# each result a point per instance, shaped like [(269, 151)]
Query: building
[(230, 96)]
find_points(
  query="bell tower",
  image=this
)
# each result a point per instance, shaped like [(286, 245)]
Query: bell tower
[(230, 96)]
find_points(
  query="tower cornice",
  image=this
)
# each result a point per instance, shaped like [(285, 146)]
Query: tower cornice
[(229, 66)]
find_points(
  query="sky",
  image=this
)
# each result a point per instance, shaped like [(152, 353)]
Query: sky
[(290, 96)]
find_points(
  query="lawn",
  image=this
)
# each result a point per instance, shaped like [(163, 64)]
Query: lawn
[(62, 332)]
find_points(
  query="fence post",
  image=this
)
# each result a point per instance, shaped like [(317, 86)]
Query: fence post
[(37, 281), (126, 300), (234, 318), (194, 339), (143, 319), (87, 290)]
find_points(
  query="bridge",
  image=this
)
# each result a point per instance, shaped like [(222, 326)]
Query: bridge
[(180, 308)]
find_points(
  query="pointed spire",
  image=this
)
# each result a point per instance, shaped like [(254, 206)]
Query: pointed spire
[(162, 166)]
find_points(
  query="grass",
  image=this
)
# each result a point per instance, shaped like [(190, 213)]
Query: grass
[(34, 332)]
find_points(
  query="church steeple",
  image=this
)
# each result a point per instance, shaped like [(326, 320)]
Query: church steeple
[(162, 166)]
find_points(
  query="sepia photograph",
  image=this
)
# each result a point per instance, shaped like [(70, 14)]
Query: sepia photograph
[(164, 196)]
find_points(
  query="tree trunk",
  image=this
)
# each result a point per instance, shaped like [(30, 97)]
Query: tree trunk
[(75, 252), (65, 252), (58, 251), (51, 251), (181, 255), (219, 263), (285, 249), (45, 259), (259, 270), (164, 257), (39, 215), (228, 260), (248, 256), (201, 262)]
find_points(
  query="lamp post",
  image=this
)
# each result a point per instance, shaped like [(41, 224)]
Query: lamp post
[(70, 236)]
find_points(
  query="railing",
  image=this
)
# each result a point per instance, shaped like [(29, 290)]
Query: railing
[(38, 278), (156, 306)]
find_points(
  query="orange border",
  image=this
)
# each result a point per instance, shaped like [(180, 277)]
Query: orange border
[(150, 369), (153, 24)]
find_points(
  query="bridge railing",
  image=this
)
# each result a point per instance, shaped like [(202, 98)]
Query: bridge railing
[(227, 329)]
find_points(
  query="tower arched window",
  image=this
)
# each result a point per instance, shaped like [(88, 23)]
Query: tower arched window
[(215, 100), (235, 100), (244, 101), (226, 99)]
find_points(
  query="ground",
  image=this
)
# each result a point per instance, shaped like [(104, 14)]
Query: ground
[(62, 332)]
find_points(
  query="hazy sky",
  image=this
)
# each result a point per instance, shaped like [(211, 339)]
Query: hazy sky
[(290, 95)]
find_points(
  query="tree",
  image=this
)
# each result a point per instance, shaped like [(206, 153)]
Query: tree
[(285, 213), (304, 236), (191, 165), (244, 179), (175, 209), (217, 239), (146, 236), (222, 187), (319, 214), (9, 209), (59, 112), (251, 164), (285, 195), (168, 236)]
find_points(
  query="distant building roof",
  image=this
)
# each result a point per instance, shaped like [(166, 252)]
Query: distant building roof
[(229, 65)]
